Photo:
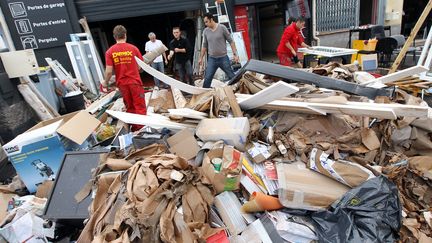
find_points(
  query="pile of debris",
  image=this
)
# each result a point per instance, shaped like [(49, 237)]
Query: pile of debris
[(271, 157)]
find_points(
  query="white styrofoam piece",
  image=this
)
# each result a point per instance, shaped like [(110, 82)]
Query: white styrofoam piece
[(188, 113), (275, 91), (398, 75), (350, 109), (152, 120), (170, 81)]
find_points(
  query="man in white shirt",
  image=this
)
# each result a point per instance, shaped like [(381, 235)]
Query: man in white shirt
[(158, 62)]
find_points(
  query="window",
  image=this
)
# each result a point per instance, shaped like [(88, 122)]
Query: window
[(333, 15)]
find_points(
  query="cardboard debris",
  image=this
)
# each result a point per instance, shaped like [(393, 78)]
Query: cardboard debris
[(44, 189), (348, 173), (37, 153), (184, 144), (155, 197), (204, 169), (228, 178), (305, 189)]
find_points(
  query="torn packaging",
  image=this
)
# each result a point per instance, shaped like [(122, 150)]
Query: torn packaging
[(348, 173), (305, 189), (142, 205), (184, 144), (229, 178), (162, 100)]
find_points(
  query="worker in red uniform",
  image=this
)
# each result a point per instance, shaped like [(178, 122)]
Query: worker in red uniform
[(289, 43), (121, 58)]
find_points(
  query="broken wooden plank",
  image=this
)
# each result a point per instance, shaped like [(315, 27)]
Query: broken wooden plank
[(423, 83), (152, 120), (237, 112), (170, 81), (275, 91), (179, 99), (407, 79), (398, 75), (398, 83)]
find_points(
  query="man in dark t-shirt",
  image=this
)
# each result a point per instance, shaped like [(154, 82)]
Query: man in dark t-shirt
[(121, 58), (181, 48)]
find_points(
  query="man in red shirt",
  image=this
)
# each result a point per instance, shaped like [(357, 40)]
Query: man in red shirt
[(121, 58), (289, 43)]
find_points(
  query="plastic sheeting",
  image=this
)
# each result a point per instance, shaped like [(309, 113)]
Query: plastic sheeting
[(370, 212)]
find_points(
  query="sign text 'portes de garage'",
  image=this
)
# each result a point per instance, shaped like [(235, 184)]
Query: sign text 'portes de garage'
[(40, 23)]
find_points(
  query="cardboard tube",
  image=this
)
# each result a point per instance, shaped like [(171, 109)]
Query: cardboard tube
[(261, 202)]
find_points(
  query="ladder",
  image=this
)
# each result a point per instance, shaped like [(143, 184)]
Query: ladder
[(220, 11)]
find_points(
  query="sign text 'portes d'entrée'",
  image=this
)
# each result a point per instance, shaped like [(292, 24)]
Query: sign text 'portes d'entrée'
[(40, 23)]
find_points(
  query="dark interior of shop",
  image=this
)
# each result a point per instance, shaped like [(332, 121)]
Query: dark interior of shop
[(138, 29), (411, 13)]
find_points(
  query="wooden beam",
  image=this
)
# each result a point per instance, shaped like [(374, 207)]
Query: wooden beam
[(397, 83), (411, 38), (237, 112), (170, 81), (275, 91), (408, 79)]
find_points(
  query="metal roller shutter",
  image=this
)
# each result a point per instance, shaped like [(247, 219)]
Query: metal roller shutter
[(100, 10)]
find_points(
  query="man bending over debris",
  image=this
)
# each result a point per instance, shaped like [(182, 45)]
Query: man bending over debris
[(215, 37), (121, 58), (289, 43)]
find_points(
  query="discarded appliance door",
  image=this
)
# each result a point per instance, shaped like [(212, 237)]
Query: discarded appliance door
[(74, 173)]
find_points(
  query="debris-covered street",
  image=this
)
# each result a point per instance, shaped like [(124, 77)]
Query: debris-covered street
[(198, 140)]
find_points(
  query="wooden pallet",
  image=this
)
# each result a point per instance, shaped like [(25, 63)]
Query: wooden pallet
[(411, 84)]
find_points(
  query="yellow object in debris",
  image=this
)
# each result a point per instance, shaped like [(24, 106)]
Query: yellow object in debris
[(105, 131)]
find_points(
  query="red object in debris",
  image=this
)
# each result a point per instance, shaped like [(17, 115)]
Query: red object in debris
[(220, 237), (376, 75)]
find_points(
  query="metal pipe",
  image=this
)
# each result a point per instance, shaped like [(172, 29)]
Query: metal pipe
[(5, 28), (314, 25)]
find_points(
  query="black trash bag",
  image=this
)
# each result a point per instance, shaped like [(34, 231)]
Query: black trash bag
[(370, 212)]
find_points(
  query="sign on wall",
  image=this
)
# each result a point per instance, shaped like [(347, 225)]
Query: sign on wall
[(242, 25), (298, 8), (39, 23)]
